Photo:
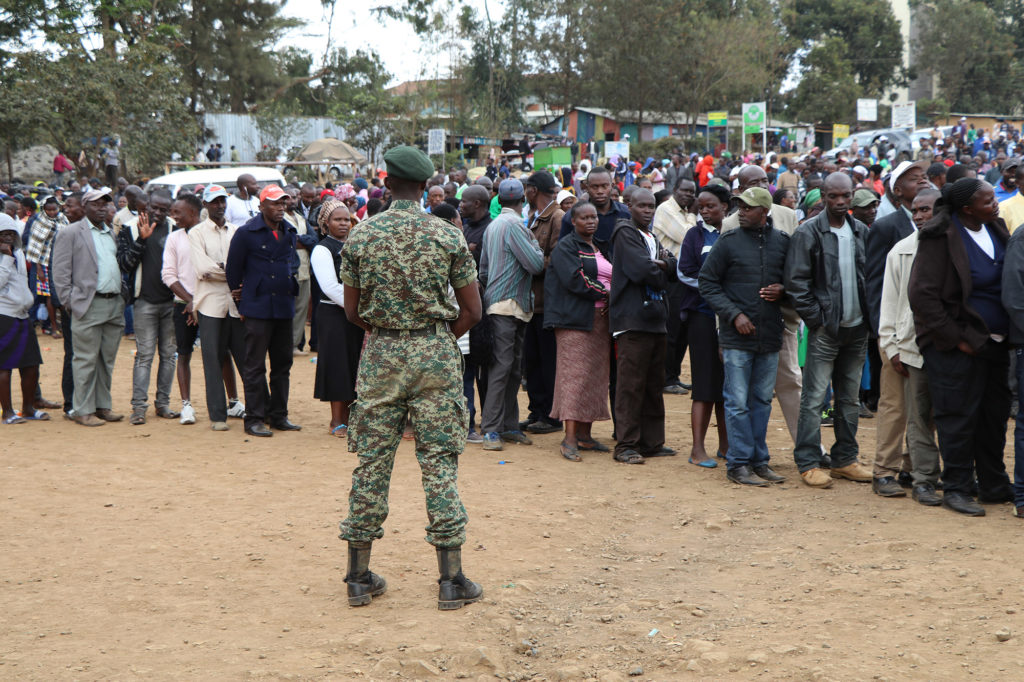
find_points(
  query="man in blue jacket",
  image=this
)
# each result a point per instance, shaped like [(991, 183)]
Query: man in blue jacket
[(261, 275)]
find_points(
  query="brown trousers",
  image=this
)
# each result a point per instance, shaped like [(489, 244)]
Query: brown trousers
[(891, 454)]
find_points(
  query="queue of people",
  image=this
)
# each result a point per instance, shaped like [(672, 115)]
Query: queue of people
[(592, 307)]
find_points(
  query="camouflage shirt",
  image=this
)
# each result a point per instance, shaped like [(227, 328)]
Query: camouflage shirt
[(402, 260)]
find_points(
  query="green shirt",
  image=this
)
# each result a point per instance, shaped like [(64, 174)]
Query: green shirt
[(402, 261), (108, 273)]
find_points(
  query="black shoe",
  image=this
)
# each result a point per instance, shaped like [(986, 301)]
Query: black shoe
[(663, 451), (259, 430), (826, 462), (454, 589), (924, 493), (905, 479), (964, 504), (363, 585), (887, 486), (524, 424), (764, 471), (998, 497), (688, 387), (865, 412), (284, 425), (541, 426), (744, 476)]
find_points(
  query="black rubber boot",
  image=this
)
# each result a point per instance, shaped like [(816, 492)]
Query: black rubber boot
[(363, 585), (456, 590)]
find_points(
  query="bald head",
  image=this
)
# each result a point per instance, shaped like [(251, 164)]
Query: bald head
[(475, 203), (485, 182), (752, 176), (132, 194), (838, 181)]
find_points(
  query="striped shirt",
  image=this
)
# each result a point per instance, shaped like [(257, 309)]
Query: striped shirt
[(510, 256)]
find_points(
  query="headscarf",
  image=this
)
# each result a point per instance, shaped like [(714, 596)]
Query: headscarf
[(377, 193), (326, 193), (345, 191), (360, 202), (326, 209), (360, 183), (813, 197)]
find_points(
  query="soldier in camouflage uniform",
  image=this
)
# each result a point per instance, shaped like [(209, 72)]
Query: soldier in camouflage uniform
[(396, 268)]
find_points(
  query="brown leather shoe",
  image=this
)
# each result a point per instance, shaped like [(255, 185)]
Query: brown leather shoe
[(816, 478), (107, 415), (44, 404), (89, 420), (854, 471)]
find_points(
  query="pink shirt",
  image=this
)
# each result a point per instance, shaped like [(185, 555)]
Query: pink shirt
[(178, 262), (604, 276)]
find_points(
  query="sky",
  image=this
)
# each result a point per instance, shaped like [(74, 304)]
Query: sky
[(355, 27)]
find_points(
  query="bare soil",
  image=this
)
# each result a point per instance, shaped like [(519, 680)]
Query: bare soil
[(169, 552)]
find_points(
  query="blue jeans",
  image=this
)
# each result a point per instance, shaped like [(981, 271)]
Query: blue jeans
[(840, 360), (748, 388), (1018, 438)]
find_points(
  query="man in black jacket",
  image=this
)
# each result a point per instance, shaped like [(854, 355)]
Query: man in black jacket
[(641, 269), (891, 455), (741, 280), (825, 280)]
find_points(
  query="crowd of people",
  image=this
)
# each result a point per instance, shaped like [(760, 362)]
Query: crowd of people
[(793, 277)]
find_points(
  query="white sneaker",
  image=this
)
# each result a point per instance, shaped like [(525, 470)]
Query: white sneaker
[(237, 410), (188, 414)]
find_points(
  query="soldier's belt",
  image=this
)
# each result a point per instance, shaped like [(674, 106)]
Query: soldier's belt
[(437, 328)]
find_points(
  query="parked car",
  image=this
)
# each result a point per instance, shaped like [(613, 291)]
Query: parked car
[(226, 177), (922, 133), (897, 138)]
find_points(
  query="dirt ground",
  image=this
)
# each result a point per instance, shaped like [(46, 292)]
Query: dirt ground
[(169, 552)]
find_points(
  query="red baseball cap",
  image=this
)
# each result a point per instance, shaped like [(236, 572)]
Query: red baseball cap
[(272, 193)]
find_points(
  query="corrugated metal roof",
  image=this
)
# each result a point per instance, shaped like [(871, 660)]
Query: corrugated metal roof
[(241, 131)]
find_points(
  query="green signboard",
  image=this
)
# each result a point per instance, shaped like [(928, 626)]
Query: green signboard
[(552, 157), (718, 119), (753, 117)]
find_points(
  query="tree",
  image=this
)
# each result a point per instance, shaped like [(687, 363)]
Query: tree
[(558, 51), (979, 70), (361, 102), (828, 89), (869, 31)]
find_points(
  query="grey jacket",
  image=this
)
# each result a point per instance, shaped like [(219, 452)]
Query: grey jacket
[(75, 267), (812, 273), (1013, 286)]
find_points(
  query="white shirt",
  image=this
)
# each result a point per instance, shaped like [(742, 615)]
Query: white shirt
[(984, 241), (241, 211)]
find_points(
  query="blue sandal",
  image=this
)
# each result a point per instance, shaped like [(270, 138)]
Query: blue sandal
[(36, 416), (341, 431), (707, 464)]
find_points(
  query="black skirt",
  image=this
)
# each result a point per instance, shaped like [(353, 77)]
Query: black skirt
[(706, 371), (19, 347), (339, 344)]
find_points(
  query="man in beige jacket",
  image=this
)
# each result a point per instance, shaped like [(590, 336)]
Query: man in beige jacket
[(902, 362)]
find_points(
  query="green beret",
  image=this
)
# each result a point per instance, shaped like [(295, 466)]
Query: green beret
[(408, 163)]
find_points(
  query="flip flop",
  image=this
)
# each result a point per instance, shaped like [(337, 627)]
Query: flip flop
[(36, 416), (569, 452), (707, 463), (15, 419), (340, 431), (592, 445)]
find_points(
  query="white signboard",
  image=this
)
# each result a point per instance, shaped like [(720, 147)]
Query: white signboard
[(867, 109), (435, 141), (613, 148), (904, 115)]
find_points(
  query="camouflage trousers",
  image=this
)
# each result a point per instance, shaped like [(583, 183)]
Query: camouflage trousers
[(420, 377)]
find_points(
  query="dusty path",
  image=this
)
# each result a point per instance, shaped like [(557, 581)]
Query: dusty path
[(166, 552)]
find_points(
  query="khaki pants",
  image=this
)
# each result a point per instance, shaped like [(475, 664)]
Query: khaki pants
[(789, 381), (891, 455)]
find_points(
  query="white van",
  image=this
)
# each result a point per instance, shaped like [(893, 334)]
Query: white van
[(226, 177)]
